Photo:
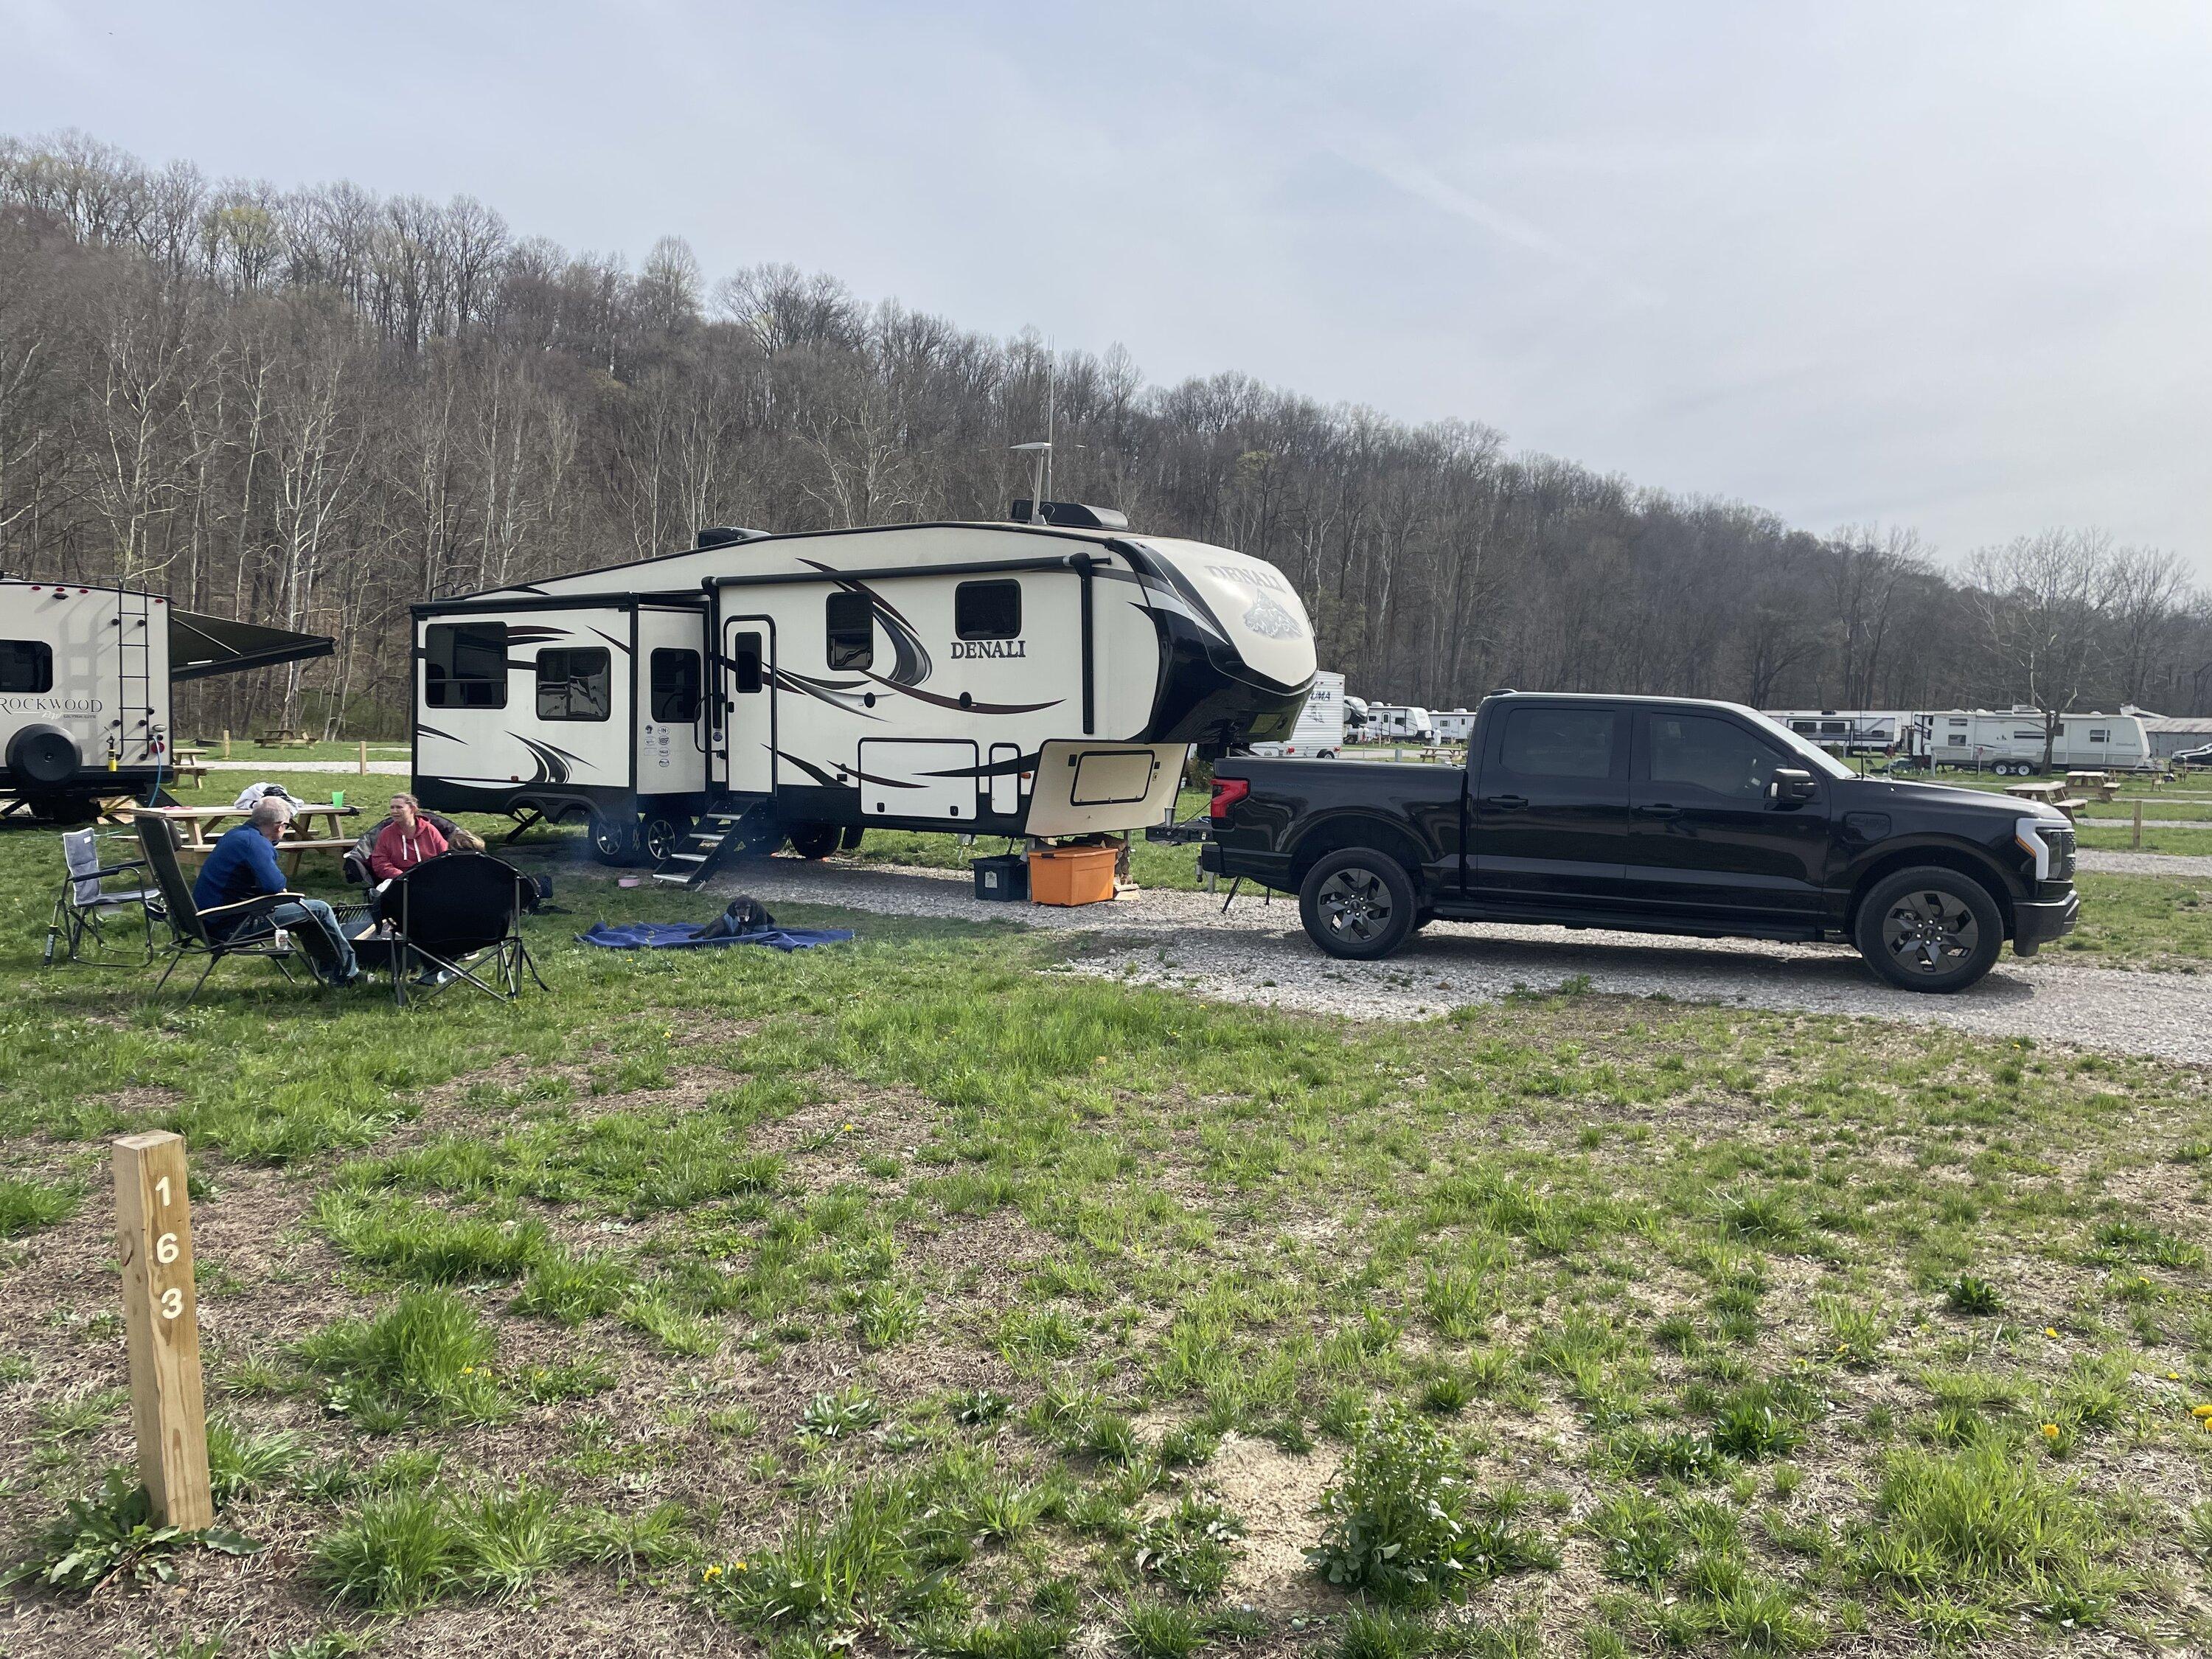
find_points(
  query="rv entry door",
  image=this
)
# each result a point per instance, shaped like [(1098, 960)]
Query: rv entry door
[(745, 738)]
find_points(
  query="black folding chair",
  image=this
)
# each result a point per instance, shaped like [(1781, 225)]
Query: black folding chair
[(86, 901), (451, 915), (214, 932)]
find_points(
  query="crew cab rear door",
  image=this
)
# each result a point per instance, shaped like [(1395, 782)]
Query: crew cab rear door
[(1550, 806), (1710, 836)]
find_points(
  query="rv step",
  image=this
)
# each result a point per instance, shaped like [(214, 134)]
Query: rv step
[(689, 858)]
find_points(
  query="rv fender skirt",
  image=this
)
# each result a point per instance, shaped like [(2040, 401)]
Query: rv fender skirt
[(43, 755)]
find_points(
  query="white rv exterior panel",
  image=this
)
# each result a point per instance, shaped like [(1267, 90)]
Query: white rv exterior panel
[(1084, 788), (919, 778)]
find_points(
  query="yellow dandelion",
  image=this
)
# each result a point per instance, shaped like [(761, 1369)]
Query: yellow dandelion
[(2050, 1431), (468, 1370), (2173, 1377), (848, 1128), (741, 1566), (2050, 1331), (2200, 1411), (711, 1575)]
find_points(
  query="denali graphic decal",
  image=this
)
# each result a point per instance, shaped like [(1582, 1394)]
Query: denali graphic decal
[(844, 695), (851, 775), (994, 770), (619, 645), (553, 764), (971, 707), (968, 648), (433, 731), (911, 666)]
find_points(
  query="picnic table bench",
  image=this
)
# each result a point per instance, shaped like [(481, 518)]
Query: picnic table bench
[(193, 823), (285, 737), (2051, 794), (2101, 785)]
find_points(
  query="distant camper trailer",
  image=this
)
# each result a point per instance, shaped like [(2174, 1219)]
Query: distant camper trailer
[(1020, 679), (1454, 726), (1399, 722), (2010, 743), (1856, 731), (85, 680), (1320, 731)]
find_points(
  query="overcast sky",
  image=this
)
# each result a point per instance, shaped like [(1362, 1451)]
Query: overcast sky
[(1943, 264)]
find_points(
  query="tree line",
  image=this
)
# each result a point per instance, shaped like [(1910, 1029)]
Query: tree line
[(314, 407)]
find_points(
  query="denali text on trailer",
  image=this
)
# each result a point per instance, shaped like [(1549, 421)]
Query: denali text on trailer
[(1045, 679)]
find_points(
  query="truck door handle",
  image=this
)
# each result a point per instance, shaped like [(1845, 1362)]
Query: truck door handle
[(1505, 802), (1659, 810)]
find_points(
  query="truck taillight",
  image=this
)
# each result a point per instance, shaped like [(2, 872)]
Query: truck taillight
[(1227, 792)]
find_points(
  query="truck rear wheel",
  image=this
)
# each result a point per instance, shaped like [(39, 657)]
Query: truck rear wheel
[(1929, 929), (1357, 903)]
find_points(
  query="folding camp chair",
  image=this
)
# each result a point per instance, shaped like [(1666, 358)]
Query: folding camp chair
[(84, 904), (445, 917), (213, 933)]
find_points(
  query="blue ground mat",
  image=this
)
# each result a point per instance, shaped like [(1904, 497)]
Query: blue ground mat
[(686, 936)]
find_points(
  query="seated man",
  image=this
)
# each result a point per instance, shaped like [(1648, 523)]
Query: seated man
[(243, 865), (409, 839)]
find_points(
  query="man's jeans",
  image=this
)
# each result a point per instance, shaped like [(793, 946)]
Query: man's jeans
[(321, 940)]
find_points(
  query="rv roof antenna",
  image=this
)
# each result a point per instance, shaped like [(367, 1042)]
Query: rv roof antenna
[(1044, 454)]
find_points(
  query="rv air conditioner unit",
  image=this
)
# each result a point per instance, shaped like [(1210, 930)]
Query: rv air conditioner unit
[(1073, 515)]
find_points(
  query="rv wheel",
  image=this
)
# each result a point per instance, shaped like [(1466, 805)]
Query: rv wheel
[(662, 833), (816, 841), (614, 840), (63, 809)]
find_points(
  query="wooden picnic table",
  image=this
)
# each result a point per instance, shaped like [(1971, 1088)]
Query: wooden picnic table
[(193, 823), (285, 737)]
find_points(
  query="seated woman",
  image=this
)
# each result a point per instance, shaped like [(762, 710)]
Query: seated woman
[(409, 839)]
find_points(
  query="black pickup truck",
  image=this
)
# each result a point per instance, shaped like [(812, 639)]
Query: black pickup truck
[(1653, 815)]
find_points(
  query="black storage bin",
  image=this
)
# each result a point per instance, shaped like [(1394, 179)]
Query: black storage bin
[(1004, 879)]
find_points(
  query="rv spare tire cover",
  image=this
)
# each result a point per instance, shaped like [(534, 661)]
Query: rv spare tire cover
[(43, 754)]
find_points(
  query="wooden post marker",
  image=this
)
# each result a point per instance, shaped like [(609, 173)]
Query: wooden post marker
[(2138, 840), (226, 745), (153, 1232), (364, 757)]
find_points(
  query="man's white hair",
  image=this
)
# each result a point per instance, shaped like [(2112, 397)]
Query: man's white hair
[(271, 809)]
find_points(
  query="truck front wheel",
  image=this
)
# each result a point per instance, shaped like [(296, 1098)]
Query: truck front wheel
[(1928, 929), (1357, 903)]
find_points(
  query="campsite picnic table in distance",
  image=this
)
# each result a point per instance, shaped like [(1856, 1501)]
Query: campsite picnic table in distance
[(195, 825), (2053, 794), (285, 737)]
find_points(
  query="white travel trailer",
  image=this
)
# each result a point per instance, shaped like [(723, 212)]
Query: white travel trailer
[(1399, 722), (85, 678), (1454, 726), (2010, 742), (1019, 679), (1856, 731), (1319, 734)]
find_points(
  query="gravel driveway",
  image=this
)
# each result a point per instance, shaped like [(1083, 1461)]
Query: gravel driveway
[(1257, 953), (2142, 864)]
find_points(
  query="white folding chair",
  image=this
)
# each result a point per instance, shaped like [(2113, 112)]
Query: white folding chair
[(85, 901)]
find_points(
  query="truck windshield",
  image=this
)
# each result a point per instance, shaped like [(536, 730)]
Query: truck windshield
[(1823, 763)]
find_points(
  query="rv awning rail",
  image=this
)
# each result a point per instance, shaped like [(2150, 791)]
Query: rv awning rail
[(1078, 563), (203, 646)]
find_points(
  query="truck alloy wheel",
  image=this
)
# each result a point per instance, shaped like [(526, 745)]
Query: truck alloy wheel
[(1357, 903), (1929, 929)]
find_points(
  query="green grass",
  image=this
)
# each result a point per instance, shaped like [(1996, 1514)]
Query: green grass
[(945, 1291), (2140, 921)]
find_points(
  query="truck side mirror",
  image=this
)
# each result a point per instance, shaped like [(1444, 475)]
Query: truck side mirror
[(1791, 787)]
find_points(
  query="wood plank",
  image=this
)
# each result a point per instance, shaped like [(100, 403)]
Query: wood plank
[(160, 1322)]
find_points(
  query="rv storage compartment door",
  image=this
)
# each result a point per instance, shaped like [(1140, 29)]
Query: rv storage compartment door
[(1091, 788), (915, 778)]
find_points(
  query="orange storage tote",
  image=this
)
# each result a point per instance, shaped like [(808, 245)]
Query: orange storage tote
[(1071, 875)]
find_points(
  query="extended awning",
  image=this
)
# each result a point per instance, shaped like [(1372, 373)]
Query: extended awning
[(201, 646)]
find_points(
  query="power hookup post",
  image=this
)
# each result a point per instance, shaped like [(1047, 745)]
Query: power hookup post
[(161, 1315)]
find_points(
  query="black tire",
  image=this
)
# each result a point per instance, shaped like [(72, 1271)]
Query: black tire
[(43, 755), (1357, 903), (816, 841), (67, 811), (1928, 929), (659, 833), (614, 840), (850, 841)]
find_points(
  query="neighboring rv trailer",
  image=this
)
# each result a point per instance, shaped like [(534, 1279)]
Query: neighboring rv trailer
[(1319, 732), (2011, 742), (1399, 722), (85, 680), (1895, 732), (997, 678)]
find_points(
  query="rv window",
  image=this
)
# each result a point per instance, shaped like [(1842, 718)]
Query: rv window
[(1804, 726), (465, 666), (574, 684), (986, 610), (675, 686), (1957, 740), (745, 662), (852, 628), (2027, 737), (1559, 743), (2100, 734), (25, 666)]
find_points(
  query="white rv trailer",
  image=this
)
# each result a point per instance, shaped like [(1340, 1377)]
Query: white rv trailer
[(1454, 724), (1398, 722), (85, 678), (1319, 734), (2010, 742), (1856, 731), (1019, 679)]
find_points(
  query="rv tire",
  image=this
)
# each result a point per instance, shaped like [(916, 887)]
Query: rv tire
[(661, 833), (63, 809), (816, 841), (1357, 903), (614, 840)]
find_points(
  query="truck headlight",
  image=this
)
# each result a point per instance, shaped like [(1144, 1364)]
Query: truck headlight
[(2028, 833)]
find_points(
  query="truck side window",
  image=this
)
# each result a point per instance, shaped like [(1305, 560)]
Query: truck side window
[(464, 665), (986, 610), (26, 665), (1714, 755), (851, 625), (1559, 743), (574, 684), (746, 662), (675, 686)]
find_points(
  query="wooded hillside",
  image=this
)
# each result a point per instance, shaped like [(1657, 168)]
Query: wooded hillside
[(315, 406)]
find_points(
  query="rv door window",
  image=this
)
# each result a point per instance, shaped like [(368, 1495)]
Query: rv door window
[(574, 684), (675, 686), (745, 662), (465, 666), (852, 628), (987, 611), (25, 666)]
